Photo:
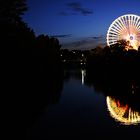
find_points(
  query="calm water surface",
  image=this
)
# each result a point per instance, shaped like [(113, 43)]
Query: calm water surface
[(82, 111)]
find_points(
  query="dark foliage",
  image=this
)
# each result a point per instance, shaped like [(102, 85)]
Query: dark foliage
[(31, 65)]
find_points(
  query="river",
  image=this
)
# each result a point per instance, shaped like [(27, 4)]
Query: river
[(82, 110)]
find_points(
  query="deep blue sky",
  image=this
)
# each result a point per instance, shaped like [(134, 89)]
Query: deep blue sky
[(77, 23)]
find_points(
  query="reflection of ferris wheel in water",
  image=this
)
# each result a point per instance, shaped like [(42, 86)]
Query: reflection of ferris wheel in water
[(126, 27), (122, 113)]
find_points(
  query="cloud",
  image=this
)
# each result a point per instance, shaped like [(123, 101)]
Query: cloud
[(75, 8), (63, 13), (86, 43), (62, 36), (97, 37)]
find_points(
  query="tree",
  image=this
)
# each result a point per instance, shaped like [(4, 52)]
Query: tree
[(14, 32), (11, 10), (119, 47), (123, 42)]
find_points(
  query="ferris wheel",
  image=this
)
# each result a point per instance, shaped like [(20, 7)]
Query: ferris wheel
[(126, 27)]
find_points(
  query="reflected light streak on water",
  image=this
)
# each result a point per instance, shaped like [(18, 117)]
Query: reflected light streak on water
[(83, 73)]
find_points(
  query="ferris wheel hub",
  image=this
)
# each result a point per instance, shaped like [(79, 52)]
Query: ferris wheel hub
[(131, 37)]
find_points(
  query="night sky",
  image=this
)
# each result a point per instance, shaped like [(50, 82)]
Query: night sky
[(78, 24)]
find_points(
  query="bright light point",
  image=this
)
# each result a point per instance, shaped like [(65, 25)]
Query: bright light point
[(126, 28)]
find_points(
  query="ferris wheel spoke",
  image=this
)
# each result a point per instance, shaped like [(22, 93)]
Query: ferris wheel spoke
[(113, 39), (131, 17), (134, 18), (138, 29), (128, 30), (136, 21), (129, 21), (125, 21), (117, 27), (138, 24), (113, 33), (112, 36), (113, 30), (122, 24)]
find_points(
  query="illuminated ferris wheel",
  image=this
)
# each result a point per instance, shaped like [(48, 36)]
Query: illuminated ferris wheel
[(126, 27)]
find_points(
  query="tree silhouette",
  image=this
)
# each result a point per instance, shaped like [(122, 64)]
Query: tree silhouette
[(48, 47), (14, 32), (123, 42), (11, 10), (119, 47)]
